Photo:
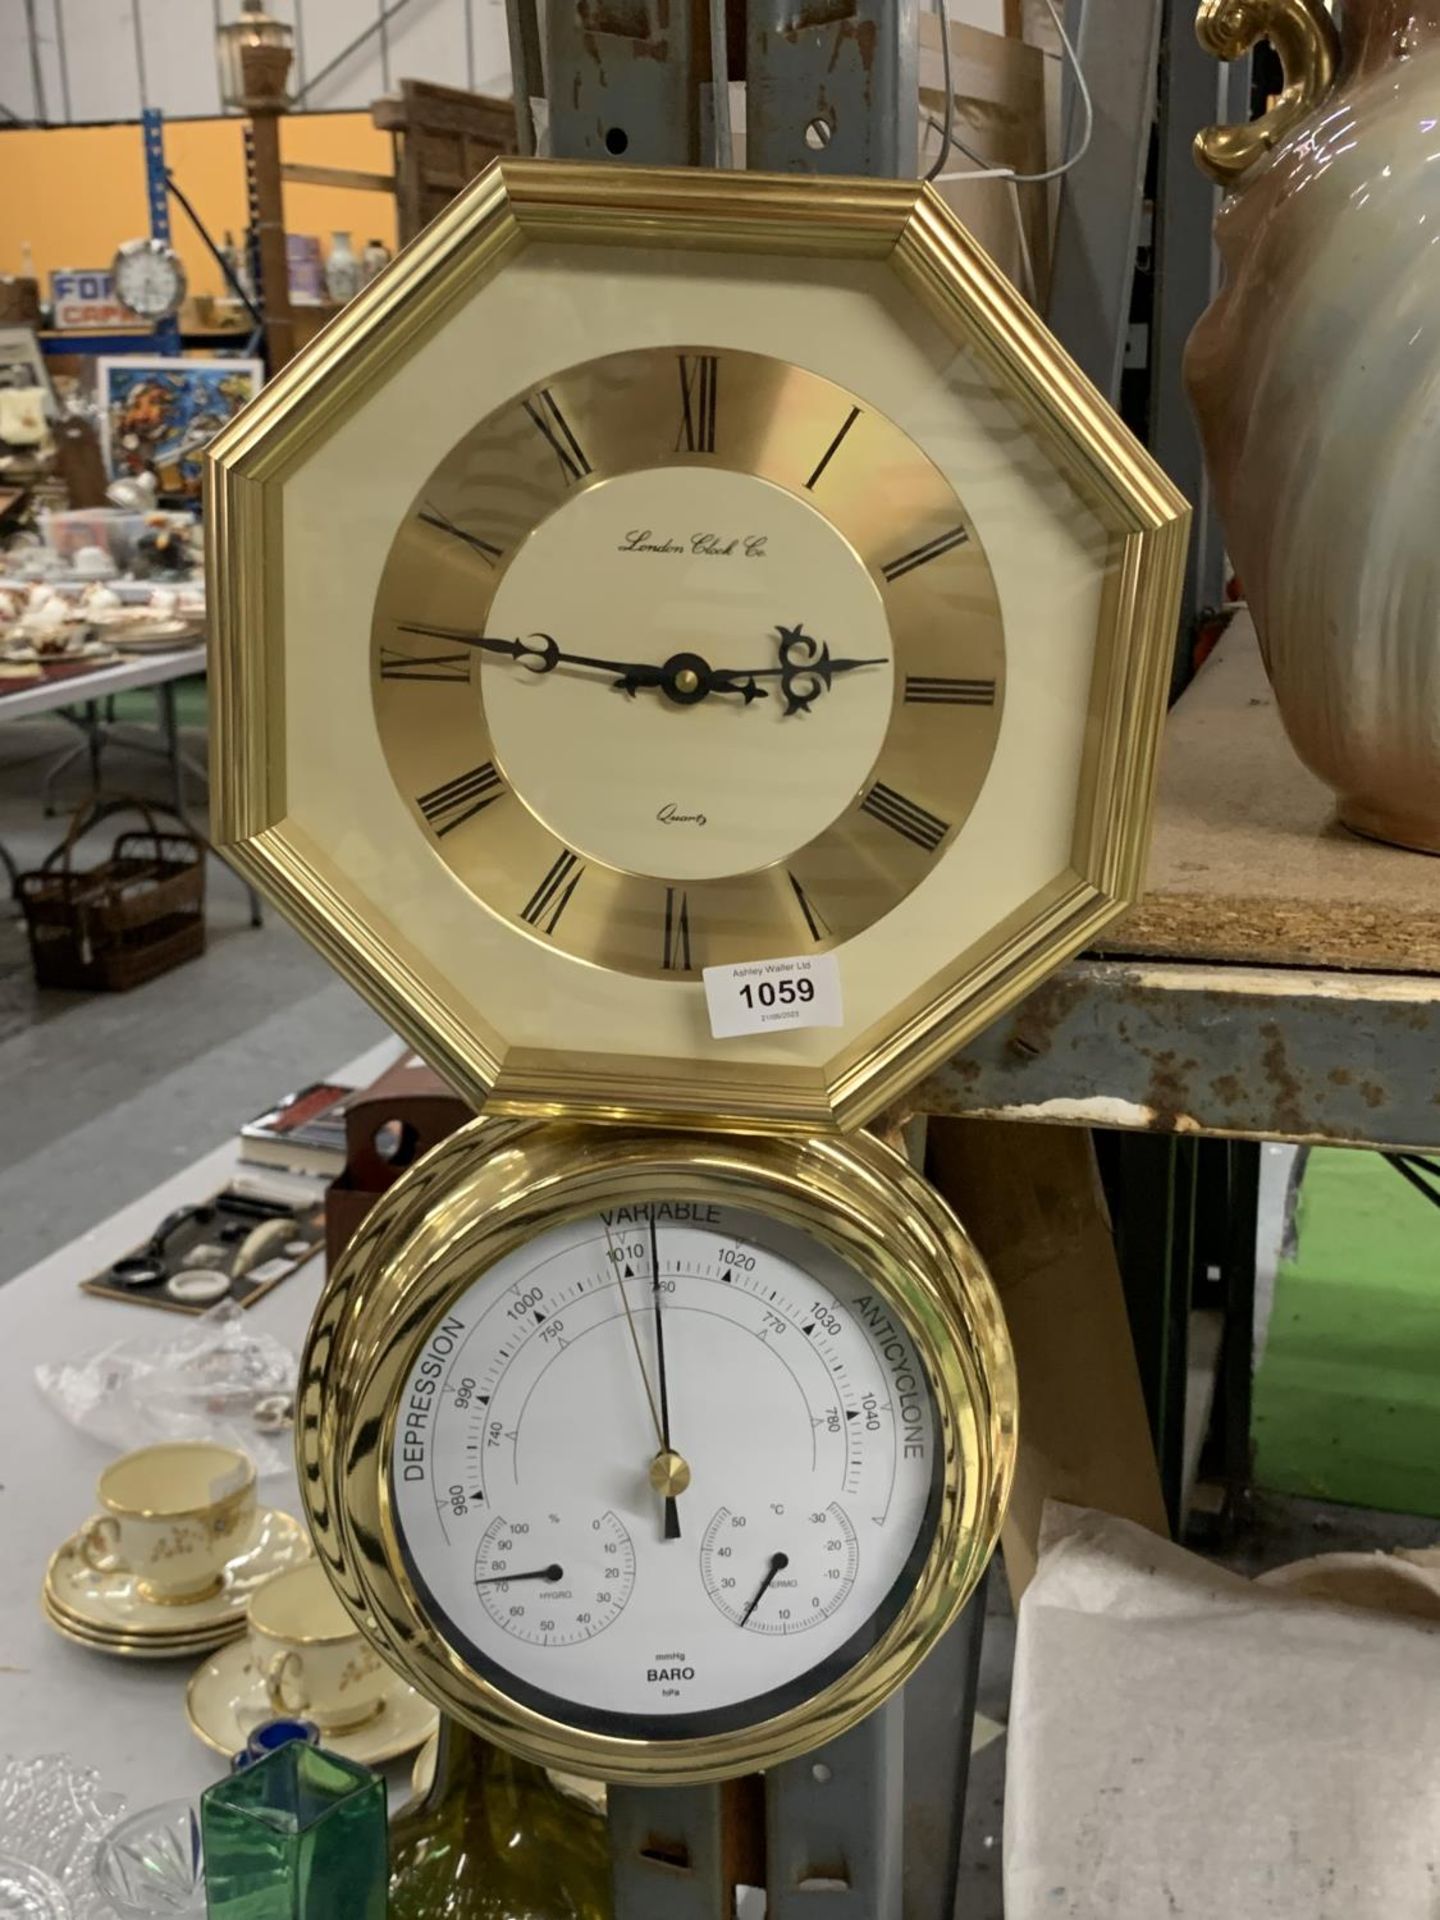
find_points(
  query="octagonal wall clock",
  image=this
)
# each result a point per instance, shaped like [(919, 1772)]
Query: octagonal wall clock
[(658, 571)]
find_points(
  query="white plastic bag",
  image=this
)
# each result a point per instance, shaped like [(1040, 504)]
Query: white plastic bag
[(217, 1379)]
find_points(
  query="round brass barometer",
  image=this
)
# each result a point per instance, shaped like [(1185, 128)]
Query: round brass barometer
[(657, 1457)]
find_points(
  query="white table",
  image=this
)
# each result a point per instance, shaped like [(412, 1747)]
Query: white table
[(124, 676), (78, 697), (86, 690), (125, 1718)]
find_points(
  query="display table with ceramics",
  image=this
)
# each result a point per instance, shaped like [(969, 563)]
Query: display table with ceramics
[(124, 1717)]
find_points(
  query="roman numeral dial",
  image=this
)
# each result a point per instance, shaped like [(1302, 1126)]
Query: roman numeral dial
[(548, 420), (933, 690), (677, 931), (905, 817), (450, 666), (699, 382), (921, 556), (818, 474), (456, 801), (554, 893), (431, 516), (814, 919)]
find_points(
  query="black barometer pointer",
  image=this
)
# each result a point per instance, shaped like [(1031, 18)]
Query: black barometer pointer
[(672, 1508)]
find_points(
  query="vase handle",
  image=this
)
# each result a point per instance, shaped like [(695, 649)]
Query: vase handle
[(1304, 36)]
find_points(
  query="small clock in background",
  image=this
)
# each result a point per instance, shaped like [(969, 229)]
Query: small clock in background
[(149, 278)]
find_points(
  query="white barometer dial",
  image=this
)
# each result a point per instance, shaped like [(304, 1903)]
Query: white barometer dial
[(657, 1456), (782, 1391)]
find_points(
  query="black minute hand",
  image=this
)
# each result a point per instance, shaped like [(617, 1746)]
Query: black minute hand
[(539, 654)]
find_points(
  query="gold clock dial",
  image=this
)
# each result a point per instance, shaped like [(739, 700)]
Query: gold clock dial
[(688, 656)]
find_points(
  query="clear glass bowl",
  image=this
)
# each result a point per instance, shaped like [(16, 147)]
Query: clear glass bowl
[(52, 1813), (27, 1893), (151, 1865)]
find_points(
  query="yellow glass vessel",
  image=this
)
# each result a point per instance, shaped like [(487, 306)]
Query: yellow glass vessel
[(493, 1838)]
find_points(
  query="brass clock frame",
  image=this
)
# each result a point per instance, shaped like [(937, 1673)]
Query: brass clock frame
[(907, 228), (497, 1184)]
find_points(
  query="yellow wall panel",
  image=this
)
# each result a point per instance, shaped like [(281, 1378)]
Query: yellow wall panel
[(76, 192)]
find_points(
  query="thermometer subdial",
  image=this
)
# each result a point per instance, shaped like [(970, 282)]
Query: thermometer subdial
[(782, 1568), (554, 1582)]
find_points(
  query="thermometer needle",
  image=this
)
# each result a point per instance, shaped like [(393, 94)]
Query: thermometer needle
[(548, 1574), (778, 1564), (672, 1511)]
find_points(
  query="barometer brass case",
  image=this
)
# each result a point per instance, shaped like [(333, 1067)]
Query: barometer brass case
[(499, 1184)]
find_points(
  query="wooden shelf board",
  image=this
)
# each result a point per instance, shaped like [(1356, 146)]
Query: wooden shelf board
[(1249, 864)]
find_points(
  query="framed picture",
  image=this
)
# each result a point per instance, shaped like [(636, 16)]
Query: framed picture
[(158, 415), (22, 364)]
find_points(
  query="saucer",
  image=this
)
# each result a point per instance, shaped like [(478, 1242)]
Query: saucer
[(226, 1699), (110, 1604), (127, 1647), (158, 636)]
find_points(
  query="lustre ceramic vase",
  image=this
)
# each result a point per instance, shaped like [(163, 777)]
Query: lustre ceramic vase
[(1315, 376)]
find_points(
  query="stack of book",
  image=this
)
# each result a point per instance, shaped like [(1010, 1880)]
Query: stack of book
[(305, 1133)]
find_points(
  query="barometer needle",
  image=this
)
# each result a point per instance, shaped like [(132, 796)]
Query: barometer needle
[(672, 1510), (549, 1574), (778, 1564), (621, 1277)]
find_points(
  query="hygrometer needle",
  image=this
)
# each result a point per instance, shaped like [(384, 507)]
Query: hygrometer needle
[(548, 1574), (778, 1564), (672, 1510)]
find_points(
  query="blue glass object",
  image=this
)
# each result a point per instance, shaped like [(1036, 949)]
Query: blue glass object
[(271, 1734), (300, 1835)]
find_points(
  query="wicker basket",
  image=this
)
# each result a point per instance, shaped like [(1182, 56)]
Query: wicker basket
[(117, 924)]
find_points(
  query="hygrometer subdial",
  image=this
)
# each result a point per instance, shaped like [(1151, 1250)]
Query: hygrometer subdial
[(782, 1568), (554, 1582)]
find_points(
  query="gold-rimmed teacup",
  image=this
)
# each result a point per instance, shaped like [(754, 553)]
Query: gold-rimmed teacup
[(310, 1655), (174, 1515)]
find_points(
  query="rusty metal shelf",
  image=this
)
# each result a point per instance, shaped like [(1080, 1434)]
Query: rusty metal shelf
[(1280, 980)]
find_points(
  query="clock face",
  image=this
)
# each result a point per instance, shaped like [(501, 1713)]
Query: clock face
[(149, 278), (658, 573), (688, 657)]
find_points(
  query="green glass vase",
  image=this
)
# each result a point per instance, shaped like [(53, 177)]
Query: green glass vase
[(298, 1836), (495, 1839)]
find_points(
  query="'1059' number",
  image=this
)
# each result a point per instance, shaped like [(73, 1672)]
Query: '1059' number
[(782, 993)]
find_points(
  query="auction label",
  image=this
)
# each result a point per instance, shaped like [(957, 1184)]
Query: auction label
[(761, 996)]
